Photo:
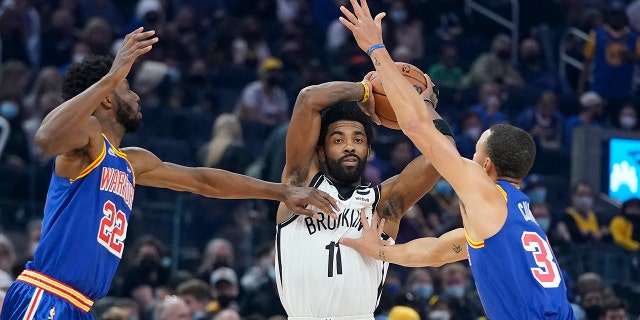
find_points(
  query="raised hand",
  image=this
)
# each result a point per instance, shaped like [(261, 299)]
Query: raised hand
[(134, 45), (431, 92), (299, 197), (370, 242), (366, 30), (369, 107)]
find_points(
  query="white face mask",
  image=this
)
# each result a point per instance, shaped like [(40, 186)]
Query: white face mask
[(627, 122), (439, 315)]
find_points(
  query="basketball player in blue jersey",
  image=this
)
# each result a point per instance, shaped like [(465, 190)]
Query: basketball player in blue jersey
[(327, 146), (516, 273), (92, 188)]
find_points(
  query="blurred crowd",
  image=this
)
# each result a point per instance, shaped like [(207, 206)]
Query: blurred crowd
[(218, 89)]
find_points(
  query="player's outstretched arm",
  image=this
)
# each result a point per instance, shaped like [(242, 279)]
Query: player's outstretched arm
[(466, 177), (70, 126), (422, 252), (215, 183), (304, 128)]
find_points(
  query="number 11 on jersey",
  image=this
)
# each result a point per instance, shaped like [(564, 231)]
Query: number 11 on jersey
[(334, 254)]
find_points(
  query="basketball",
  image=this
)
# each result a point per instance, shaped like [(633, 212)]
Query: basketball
[(383, 108)]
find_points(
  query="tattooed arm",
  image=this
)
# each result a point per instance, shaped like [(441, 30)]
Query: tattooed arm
[(422, 252)]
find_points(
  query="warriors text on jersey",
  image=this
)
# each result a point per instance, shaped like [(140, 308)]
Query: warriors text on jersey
[(83, 233), (316, 276), (515, 271)]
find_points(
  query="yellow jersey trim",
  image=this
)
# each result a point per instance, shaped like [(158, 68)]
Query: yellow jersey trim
[(473, 244), (57, 288), (93, 164), (122, 155)]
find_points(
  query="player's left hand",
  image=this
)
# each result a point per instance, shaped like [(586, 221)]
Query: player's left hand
[(369, 107), (431, 92), (371, 242), (297, 198), (366, 30)]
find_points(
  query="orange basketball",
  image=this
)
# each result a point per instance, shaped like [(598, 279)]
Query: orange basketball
[(383, 108)]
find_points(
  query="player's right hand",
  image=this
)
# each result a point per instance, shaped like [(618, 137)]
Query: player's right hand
[(134, 45), (430, 92), (297, 199), (371, 242)]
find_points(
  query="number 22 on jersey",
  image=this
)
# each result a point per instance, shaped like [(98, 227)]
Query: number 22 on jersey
[(547, 273), (113, 229)]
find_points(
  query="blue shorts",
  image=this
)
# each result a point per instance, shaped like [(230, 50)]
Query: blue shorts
[(27, 302)]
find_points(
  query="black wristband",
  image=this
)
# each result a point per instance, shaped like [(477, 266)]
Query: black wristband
[(443, 127)]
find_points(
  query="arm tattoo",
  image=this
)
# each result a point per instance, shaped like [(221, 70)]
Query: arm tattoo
[(381, 255), (457, 248), (376, 62)]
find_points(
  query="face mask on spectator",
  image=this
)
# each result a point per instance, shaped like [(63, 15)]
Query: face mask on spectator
[(544, 223), (442, 187), (439, 315), (584, 203), (473, 133), (627, 122), (538, 195), (424, 290), (9, 110), (456, 291), (398, 15)]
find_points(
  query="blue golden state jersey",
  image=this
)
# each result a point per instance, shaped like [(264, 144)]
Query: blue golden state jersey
[(516, 273), (85, 224)]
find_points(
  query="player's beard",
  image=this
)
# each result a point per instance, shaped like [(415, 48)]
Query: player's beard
[(346, 175), (126, 116)]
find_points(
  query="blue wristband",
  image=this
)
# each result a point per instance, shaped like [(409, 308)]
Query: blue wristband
[(374, 47)]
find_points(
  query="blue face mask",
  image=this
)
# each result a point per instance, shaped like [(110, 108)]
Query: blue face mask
[(392, 289), (538, 195), (9, 110), (544, 223), (443, 187), (398, 15), (456, 291), (423, 290)]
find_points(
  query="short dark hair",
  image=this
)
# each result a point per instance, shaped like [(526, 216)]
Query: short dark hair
[(617, 19), (196, 288), (614, 304), (82, 75), (512, 151), (345, 111)]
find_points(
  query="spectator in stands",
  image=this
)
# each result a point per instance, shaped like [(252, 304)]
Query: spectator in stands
[(58, 40), (147, 271), (615, 309), (14, 80), (14, 36), (249, 46), (172, 308), (489, 104), (495, 66), (105, 10), (590, 288), (544, 122), (628, 118), (226, 148), (536, 73), (456, 291), (197, 294), (400, 155), (130, 307), (610, 56), (260, 293), (418, 290), (404, 29), (218, 253), (580, 219), (97, 34), (7, 261), (114, 313), (228, 314), (446, 72), (470, 131), (263, 105), (224, 282), (591, 109), (625, 227), (440, 207)]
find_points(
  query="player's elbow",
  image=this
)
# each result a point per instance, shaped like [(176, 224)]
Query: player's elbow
[(45, 142), (308, 96)]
